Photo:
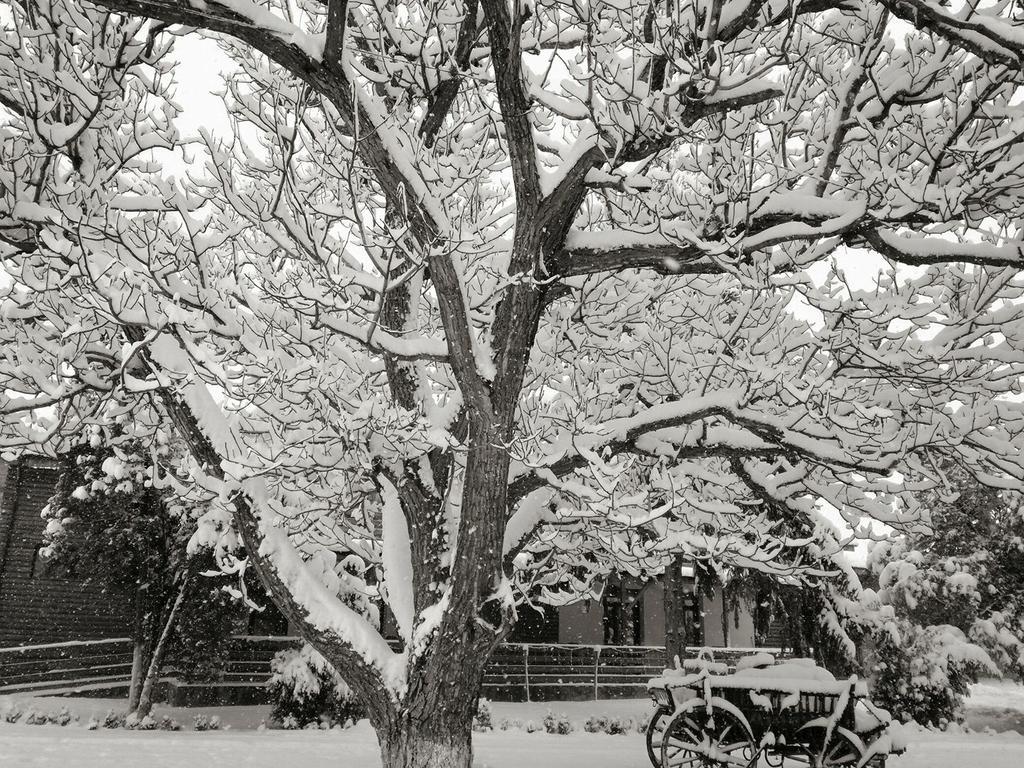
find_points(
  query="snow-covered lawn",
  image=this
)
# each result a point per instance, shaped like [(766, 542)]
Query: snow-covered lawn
[(25, 746), (997, 704)]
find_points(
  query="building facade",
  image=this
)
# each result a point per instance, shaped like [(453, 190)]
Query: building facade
[(631, 612), (39, 604)]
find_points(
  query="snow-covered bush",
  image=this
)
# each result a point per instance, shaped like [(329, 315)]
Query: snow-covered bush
[(150, 723), (12, 711), (950, 601), (18, 712), (114, 719), (923, 674), (621, 725), (483, 721), (204, 723), (135, 723), (307, 690), (34, 717), (62, 717), (557, 724)]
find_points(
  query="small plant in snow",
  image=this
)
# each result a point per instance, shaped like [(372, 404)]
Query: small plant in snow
[(617, 726), (484, 719), (147, 723), (612, 725), (35, 717), (62, 717), (114, 719), (13, 711), (531, 726), (204, 723), (510, 725), (166, 723), (557, 724)]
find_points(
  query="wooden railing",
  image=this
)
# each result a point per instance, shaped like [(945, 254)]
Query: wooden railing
[(516, 672), (57, 667)]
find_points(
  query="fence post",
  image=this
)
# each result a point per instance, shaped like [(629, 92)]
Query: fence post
[(526, 668), (597, 661)]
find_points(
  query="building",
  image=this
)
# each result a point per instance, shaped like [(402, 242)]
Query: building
[(40, 604), (631, 612), (44, 605)]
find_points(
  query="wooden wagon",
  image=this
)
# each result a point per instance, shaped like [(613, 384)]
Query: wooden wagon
[(706, 719)]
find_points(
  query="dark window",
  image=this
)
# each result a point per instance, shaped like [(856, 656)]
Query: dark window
[(623, 615), (611, 603)]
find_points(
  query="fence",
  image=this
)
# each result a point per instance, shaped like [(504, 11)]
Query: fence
[(516, 672), (56, 667)]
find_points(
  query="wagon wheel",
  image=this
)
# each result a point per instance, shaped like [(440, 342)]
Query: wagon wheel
[(696, 738), (655, 733), (843, 749)]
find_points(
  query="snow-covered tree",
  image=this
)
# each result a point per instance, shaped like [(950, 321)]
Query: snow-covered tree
[(109, 524), (950, 603), (466, 280)]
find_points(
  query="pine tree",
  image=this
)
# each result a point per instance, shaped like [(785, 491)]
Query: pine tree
[(108, 525), (950, 604)]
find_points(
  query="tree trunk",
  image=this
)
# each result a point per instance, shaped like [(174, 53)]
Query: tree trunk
[(427, 744), (138, 665), (677, 634), (142, 643), (725, 615), (156, 662)]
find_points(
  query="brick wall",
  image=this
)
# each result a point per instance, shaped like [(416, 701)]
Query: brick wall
[(43, 607)]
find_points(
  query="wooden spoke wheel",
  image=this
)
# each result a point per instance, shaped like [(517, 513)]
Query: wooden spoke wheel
[(696, 739), (655, 733), (844, 750)]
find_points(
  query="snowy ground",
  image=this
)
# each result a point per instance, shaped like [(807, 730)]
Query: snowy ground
[(997, 704), (26, 746), (993, 703)]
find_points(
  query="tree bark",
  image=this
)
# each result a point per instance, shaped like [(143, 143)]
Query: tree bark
[(427, 742), (138, 664), (156, 662), (677, 634), (142, 644), (725, 614)]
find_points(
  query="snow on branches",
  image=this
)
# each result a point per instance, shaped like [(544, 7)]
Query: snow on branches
[(483, 299)]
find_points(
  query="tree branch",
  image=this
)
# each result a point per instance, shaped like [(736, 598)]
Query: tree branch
[(440, 102), (504, 33), (935, 250), (992, 40), (334, 41)]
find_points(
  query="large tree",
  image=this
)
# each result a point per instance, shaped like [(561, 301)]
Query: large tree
[(465, 277)]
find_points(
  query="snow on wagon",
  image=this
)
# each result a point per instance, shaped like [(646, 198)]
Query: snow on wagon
[(792, 712)]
